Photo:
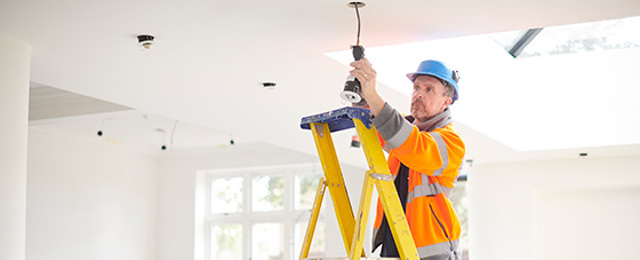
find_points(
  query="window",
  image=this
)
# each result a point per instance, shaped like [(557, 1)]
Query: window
[(267, 241), (460, 199), (226, 195), (227, 242), (260, 213), (267, 193), (460, 202), (577, 38)]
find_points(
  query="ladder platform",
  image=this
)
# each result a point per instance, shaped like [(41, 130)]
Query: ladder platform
[(339, 119)]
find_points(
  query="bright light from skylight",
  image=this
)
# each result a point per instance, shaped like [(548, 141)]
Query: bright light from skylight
[(577, 38), (463, 54), (539, 103)]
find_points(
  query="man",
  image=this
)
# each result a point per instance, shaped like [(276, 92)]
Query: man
[(425, 155)]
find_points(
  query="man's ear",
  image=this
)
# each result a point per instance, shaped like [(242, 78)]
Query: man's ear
[(446, 103)]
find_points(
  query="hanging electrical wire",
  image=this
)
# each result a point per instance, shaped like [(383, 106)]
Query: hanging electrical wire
[(358, 16), (351, 90), (173, 131)]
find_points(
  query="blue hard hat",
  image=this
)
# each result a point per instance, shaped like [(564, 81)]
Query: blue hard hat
[(439, 70)]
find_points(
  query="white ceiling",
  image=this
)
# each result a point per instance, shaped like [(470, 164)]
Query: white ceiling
[(210, 58), (75, 116)]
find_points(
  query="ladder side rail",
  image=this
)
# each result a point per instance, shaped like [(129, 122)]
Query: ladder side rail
[(313, 219), (396, 219), (362, 216), (335, 182), (367, 137), (383, 180)]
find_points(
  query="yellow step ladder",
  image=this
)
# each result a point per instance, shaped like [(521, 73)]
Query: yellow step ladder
[(378, 175)]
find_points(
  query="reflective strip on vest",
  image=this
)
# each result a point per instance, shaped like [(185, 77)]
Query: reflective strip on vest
[(386, 147), (431, 189), (427, 189), (442, 147), (438, 249)]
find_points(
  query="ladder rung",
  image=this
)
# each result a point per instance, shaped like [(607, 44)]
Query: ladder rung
[(339, 119)]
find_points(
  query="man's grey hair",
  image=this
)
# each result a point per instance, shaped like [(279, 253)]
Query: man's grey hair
[(448, 89)]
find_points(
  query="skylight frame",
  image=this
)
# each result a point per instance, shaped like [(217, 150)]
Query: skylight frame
[(573, 38)]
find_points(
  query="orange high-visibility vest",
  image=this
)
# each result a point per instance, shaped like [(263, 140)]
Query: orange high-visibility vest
[(434, 160)]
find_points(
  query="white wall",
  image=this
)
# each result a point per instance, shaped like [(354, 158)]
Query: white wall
[(88, 201), (15, 57), (584, 208)]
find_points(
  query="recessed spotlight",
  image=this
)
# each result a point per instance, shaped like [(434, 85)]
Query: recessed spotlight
[(145, 41), (268, 84), (359, 4)]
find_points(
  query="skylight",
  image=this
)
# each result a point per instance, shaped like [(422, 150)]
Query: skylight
[(576, 38)]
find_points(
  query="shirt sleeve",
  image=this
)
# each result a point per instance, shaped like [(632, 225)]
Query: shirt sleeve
[(432, 153), (392, 126)]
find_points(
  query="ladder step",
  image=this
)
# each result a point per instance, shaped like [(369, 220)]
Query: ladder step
[(339, 119)]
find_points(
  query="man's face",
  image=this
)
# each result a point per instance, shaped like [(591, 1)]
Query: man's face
[(428, 98)]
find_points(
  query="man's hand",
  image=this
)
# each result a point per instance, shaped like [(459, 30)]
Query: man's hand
[(364, 72)]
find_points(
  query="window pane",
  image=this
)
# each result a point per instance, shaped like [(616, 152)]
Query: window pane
[(226, 195), (317, 242), (460, 201), (584, 37), (267, 193), (226, 242), (267, 241), (577, 38), (305, 190)]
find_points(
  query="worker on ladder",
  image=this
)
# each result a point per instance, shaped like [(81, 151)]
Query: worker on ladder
[(425, 155)]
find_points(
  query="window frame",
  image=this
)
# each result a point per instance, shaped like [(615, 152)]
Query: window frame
[(247, 218)]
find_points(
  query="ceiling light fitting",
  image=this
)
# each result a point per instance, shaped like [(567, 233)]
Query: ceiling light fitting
[(163, 147), (145, 41), (100, 133), (351, 90), (268, 84), (359, 4), (164, 132)]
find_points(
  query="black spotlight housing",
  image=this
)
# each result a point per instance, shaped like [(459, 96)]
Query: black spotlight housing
[(268, 84), (145, 40)]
